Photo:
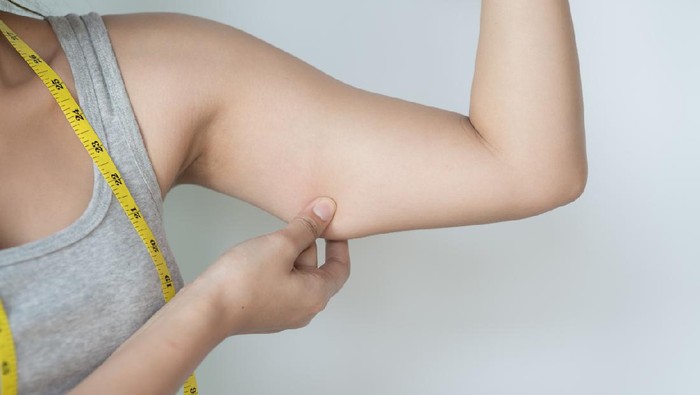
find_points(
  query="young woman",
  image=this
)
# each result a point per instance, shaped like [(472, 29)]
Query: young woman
[(180, 99)]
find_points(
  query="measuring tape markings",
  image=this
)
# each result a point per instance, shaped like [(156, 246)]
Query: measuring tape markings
[(98, 152)]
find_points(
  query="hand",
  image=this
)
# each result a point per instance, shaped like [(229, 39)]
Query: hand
[(273, 282)]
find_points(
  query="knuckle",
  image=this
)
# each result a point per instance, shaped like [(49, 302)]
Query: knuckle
[(318, 307), (309, 224), (302, 323)]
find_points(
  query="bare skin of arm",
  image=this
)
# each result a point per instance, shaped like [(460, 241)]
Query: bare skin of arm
[(263, 126), (270, 129), (267, 128)]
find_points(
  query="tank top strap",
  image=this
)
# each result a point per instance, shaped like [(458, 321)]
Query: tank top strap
[(104, 98)]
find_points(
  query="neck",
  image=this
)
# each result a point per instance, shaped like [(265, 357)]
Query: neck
[(35, 32), (6, 51), (4, 15)]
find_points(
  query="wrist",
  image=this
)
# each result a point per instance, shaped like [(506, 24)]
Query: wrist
[(211, 299), (204, 308)]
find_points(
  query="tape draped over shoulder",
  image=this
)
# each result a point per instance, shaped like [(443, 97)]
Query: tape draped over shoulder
[(73, 297)]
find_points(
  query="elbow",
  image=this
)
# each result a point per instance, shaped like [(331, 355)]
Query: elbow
[(570, 189), (552, 187), (576, 177), (569, 183)]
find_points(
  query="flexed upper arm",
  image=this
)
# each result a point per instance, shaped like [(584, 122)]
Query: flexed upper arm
[(282, 132)]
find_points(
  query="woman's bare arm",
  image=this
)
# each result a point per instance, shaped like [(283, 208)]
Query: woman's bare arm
[(272, 130), (526, 95)]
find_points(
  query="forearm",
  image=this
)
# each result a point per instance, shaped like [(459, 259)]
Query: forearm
[(264, 285), (526, 95), (159, 357)]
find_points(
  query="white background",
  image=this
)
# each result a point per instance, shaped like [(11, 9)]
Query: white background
[(599, 297)]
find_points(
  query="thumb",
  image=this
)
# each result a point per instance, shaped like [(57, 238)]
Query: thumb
[(310, 223)]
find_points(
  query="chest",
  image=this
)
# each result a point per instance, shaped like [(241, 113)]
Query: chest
[(46, 176), (71, 308)]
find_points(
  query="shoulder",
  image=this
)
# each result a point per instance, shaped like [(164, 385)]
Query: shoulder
[(166, 62), (195, 82)]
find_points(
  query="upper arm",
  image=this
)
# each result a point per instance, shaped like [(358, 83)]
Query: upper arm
[(280, 133)]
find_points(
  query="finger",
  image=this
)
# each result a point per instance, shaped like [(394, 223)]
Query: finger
[(309, 224), (337, 265), (308, 258)]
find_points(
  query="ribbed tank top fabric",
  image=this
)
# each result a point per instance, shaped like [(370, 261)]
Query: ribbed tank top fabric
[(73, 297)]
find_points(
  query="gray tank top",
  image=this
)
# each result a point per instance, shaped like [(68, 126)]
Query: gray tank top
[(73, 297)]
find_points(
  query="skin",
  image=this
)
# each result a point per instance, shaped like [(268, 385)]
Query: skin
[(518, 153), (264, 285)]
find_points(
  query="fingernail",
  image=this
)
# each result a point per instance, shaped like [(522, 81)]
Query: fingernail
[(324, 208)]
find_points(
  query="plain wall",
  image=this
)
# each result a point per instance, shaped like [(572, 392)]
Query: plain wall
[(598, 297)]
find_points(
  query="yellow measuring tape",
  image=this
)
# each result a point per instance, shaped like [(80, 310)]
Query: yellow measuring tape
[(8, 360), (98, 152)]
